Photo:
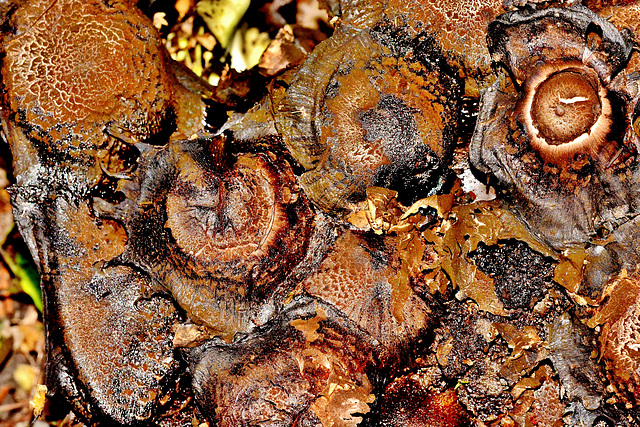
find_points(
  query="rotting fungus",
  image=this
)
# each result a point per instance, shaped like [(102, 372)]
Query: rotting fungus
[(79, 79), (219, 235), (307, 366), (374, 107), (554, 132), (306, 320), (619, 318)]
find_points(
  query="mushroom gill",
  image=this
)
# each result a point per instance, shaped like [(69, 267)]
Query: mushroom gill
[(220, 232)]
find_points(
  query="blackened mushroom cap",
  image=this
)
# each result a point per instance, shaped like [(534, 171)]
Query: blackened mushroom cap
[(520, 39), (370, 108)]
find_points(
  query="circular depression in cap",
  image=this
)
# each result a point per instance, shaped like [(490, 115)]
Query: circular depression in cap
[(565, 106), (565, 111)]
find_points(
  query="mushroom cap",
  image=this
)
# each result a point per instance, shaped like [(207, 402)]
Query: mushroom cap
[(619, 318), (357, 277), (458, 25), (308, 365), (375, 107), (71, 68), (220, 236), (554, 132)]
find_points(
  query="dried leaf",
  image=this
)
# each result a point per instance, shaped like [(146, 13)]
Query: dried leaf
[(442, 203), (189, 335), (222, 17), (568, 272), (310, 327), (518, 341), (383, 209), (159, 20), (443, 351), (343, 402), (183, 7), (524, 384), (284, 51), (310, 14), (38, 400)]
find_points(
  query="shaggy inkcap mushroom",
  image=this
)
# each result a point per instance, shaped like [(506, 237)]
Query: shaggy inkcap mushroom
[(555, 132)]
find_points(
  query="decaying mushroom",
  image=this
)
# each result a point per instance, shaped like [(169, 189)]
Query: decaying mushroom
[(620, 336), (78, 77), (220, 235), (145, 226), (374, 107), (357, 277), (555, 131), (81, 77)]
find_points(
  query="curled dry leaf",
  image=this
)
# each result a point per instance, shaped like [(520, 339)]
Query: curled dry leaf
[(462, 232)]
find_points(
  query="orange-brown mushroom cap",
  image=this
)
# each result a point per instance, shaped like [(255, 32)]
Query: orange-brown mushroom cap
[(619, 318), (220, 237), (565, 110)]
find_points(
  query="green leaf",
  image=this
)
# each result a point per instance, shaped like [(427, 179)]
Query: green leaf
[(27, 276)]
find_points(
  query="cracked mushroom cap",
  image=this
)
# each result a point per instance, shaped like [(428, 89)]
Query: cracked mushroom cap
[(374, 107), (458, 25), (619, 318), (73, 67), (555, 133), (219, 236)]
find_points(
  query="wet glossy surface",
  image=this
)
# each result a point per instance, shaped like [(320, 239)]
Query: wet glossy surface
[(318, 262)]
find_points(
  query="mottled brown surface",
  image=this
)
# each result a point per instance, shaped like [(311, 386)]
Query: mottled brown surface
[(313, 253), (349, 116), (591, 176)]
